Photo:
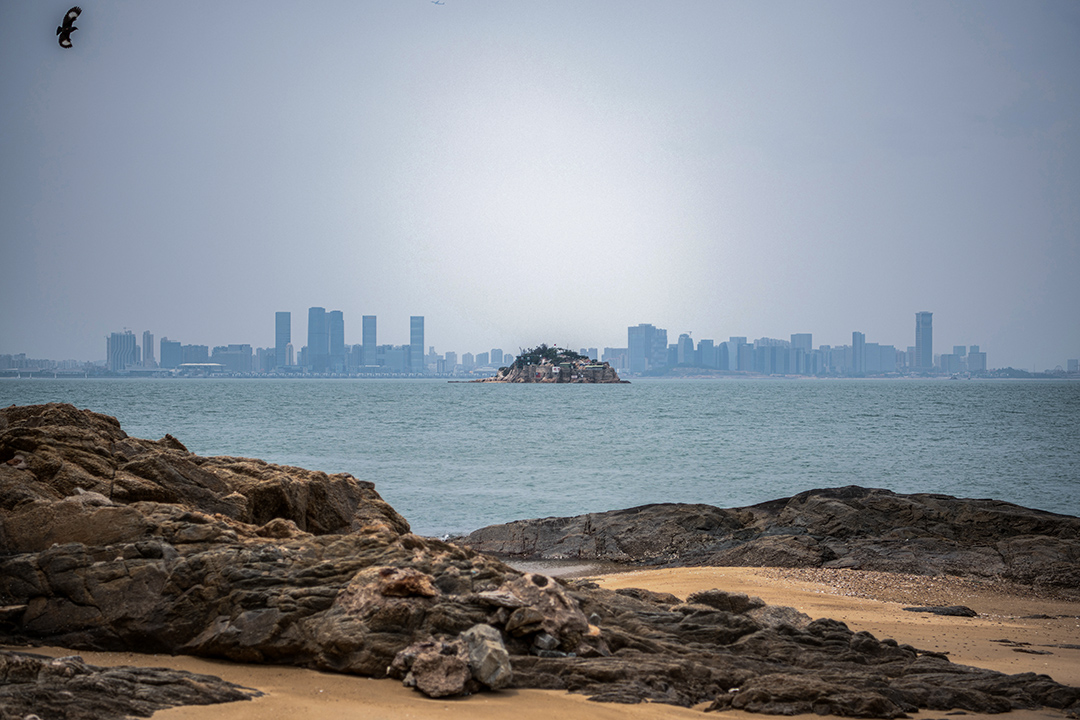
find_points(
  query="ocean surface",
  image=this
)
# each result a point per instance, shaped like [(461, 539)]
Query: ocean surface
[(455, 457)]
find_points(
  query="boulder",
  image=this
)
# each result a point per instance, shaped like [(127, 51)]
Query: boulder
[(488, 659)]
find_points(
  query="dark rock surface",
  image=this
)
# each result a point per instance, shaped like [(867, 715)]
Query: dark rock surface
[(954, 610), (114, 543), (848, 527), (69, 689)]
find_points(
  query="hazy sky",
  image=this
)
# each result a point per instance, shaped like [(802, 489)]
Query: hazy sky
[(526, 172)]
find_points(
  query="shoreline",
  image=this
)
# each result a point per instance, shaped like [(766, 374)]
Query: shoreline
[(864, 600)]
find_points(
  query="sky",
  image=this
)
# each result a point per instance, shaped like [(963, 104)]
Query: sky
[(527, 172)]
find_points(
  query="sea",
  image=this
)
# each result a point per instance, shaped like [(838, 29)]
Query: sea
[(454, 457)]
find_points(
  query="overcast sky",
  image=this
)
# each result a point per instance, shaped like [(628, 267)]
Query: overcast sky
[(526, 172)]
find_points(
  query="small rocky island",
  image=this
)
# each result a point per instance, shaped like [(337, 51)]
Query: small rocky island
[(110, 542), (543, 364)]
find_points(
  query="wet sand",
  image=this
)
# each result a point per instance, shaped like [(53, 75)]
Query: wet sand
[(865, 601)]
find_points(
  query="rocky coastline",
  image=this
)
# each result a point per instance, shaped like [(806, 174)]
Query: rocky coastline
[(109, 542), (848, 527)]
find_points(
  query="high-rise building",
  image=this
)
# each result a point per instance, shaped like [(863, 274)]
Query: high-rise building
[(121, 351), (684, 352), (195, 353), (282, 337), (858, 352), (318, 340), (706, 354), (976, 360), (924, 341), (647, 346), (171, 354), (496, 357), (148, 349), (369, 340), (802, 341), (416, 344), (336, 321)]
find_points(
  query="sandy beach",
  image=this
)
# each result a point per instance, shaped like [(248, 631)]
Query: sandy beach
[(1015, 632)]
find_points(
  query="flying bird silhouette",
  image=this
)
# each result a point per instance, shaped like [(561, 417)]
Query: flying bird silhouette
[(65, 30)]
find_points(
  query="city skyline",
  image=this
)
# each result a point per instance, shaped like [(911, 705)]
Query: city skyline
[(520, 173), (647, 349), (405, 337)]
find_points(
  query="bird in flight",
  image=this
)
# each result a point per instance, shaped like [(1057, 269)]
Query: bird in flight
[(437, 2), (65, 30)]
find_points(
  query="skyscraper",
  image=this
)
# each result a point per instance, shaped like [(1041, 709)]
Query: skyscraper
[(858, 352), (282, 337), (121, 351), (416, 344), (924, 341), (318, 340), (647, 346), (171, 354), (369, 340), (148, 349), (337, 340)]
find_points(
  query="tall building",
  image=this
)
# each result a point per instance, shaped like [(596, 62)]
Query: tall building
[(171, 354), (647, 346), (416, 344), (282, 337), (684, 350), (369, 340), (924, 341), (858, 352), (802, 341), (195, 353), (148, 349), (336, 321), (976, 360), (121, 352), (318, 340)]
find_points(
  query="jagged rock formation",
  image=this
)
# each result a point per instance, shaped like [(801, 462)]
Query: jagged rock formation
[(850, 527), (113, 543), (37, 686), (543, 364), (580, 371)]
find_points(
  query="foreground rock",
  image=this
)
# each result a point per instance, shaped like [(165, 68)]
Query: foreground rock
[(849, 527), (34, 685), (114, 543)]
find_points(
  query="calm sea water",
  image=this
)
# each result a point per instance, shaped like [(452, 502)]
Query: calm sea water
[(456, 457)]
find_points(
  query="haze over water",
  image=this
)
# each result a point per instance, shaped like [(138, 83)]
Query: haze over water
[(455, 457)]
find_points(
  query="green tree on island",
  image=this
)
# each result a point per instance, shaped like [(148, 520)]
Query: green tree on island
[(554, 355)]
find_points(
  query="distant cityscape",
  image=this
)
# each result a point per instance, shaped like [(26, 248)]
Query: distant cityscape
[(647, 353)]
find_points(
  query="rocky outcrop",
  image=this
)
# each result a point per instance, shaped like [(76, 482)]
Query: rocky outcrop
[(849, 527), (140, 545), (37, 686), (579, 371)]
